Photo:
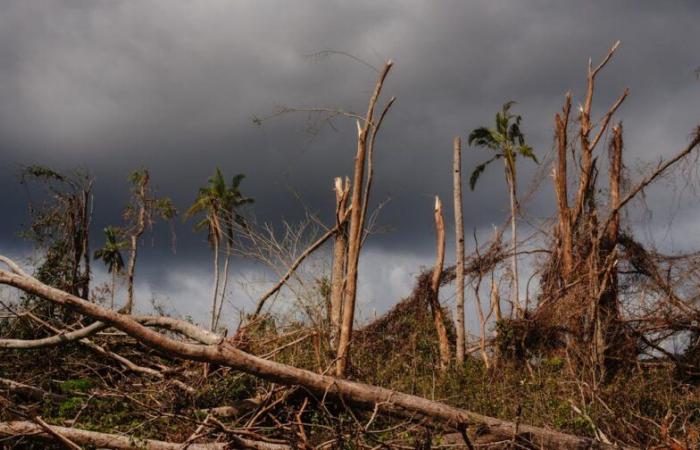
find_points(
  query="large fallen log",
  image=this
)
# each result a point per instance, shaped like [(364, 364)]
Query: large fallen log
[(115, 441), (360, 394)]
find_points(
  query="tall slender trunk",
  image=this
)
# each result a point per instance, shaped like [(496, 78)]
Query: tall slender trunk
[(459, 250), (114, 285), (495, 305), (339, 260), (135, 236), (515, 292), (85, 242), (223, 288), (438, 316), (216, 279)]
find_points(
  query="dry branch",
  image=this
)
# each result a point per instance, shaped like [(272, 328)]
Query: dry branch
[(114, 441), (319, 242)]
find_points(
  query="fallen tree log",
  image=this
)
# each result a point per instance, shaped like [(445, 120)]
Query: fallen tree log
[(168, 323), (115, 441), (359, 394)]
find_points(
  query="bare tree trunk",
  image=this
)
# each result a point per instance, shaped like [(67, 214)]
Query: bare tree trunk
[(215, 287), (495, 304), (223, 286), (356, 227), (135, 236), (114, 286), (459, 249), (438, 316), (339, 259), (85, 244), (360, 394), (515, 286)]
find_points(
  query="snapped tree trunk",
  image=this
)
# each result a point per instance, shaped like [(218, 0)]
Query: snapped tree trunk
[(356, 226), (566, 244), (459, 249), (339, 259), (438, 315)]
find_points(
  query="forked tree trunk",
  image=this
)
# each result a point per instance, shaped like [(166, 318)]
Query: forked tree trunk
[(459, 249), (356, 227), (438, 315)]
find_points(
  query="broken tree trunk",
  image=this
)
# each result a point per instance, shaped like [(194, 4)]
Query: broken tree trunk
[(357, 224), (459, 249), (340, 246), (438, 315), (360, 394)]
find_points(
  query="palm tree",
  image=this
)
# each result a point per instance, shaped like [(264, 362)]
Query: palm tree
[(232, 200), (218, 203), (111, 256), (507, 141)]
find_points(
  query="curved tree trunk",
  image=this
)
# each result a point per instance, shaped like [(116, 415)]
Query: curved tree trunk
[(135, 236), (438, 316)]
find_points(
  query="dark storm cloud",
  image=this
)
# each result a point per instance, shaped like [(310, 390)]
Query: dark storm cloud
[(173, 86)]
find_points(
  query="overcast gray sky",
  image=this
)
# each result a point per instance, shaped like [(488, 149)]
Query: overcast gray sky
[(173, 86)]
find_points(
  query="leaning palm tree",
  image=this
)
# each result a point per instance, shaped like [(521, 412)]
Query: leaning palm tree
[(218, 203), (507, 141), (111, 256)]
